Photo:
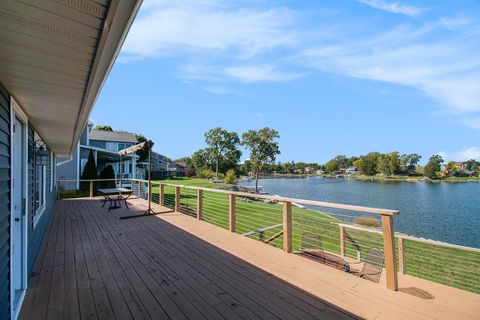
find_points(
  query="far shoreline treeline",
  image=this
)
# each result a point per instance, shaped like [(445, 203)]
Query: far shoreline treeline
[(221, 160)]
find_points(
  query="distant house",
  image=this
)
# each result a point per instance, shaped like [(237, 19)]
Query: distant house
[(105, 146), (162, 167), (351, 170), (460, 166)]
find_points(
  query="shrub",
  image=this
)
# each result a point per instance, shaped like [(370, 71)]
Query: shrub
[(230, 177), (89, 172), (206, 174), (367, 222), (107, 173), (190, 172)]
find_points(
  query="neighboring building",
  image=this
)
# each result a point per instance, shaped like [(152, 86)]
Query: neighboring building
[(105, 146), (351, 170), (162, 167), (460, 166), (55, 57)]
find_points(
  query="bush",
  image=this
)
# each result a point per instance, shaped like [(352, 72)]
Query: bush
[(89, 172), (107, 173), (206, 174), (230, 177), (367, 222), (190, 172)]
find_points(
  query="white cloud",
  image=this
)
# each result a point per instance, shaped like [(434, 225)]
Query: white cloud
[(461, 155), (218, 90), (173, 28), (394, 7), (262, 73), (447, 69)]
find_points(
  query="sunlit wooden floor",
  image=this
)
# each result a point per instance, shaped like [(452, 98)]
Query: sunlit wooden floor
[(94, 265)]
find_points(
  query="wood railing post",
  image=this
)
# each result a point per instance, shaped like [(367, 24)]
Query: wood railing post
[(199, 204), (287, 226), (140, 194), (133, 186), (177, 199), (342, 241), (91, 188), (231, 213), (389, 252), (401, 255), (162, 195)]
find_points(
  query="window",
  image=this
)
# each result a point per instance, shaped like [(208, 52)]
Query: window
[(122, 146), (112, 146), (40, 177)]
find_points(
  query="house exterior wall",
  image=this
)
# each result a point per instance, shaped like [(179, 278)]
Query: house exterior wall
[(98, 144), (35, 231), (5, 210), (67, 169)]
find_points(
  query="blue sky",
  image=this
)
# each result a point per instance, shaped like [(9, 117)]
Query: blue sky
[(333, 77)]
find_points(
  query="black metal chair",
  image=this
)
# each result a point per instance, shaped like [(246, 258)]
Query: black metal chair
[(372, 265)]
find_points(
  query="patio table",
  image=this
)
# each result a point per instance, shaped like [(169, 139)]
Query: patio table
[(114, 196)]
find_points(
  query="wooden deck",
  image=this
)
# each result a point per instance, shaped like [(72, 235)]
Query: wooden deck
[(171, 266), (93, 265)]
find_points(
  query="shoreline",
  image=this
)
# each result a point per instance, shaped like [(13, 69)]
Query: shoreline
[(374, 178)]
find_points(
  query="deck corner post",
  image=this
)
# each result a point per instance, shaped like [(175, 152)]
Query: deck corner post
[(132, 186), (401, 255), (177, 199), (162, 194), (140, 193), (342, 240), (199, 204), (389, 252), (231, 212), (287, 226), (91, 188)]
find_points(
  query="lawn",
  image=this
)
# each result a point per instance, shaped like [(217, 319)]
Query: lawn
[(314, 229)]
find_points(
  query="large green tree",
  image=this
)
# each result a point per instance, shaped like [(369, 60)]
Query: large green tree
[(433, 166), (222, 146), (409, 162), (367, 164), (263, 146), (388, 164)]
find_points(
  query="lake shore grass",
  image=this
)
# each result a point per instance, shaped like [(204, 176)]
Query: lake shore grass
[(449, 266)]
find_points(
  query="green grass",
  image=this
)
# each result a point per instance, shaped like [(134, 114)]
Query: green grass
[(314, 229)]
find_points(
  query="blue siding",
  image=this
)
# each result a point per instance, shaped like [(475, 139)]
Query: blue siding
[(36, 234), (4, 204)]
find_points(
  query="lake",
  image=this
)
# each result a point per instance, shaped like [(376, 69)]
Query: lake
[(448, 212)]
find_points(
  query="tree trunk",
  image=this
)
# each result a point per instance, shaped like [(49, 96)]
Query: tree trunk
[(216, 171), (257, 171)]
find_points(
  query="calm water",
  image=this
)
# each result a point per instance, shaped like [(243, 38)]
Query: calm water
[(448, 212)]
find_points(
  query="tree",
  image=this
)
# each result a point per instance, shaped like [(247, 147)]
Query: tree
[(450, 167), (388, 164), (223, 145), (89, 171), (103, 128), (230, 177), (201, 160), (433, 166), (187, 160), (408, 162), (263, 148), (472, 164), (367, 164), (107, 173)]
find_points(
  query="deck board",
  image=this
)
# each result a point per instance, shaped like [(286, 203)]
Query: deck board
[(93, 265)]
